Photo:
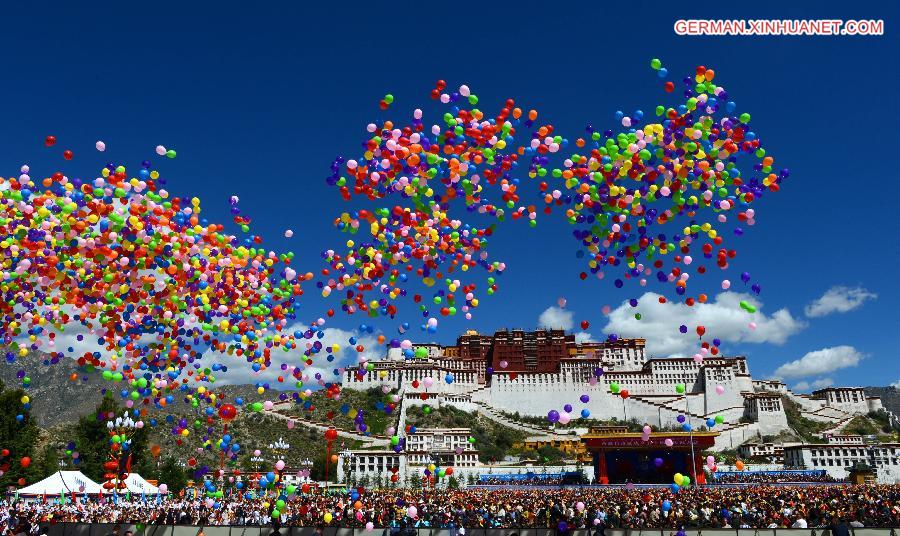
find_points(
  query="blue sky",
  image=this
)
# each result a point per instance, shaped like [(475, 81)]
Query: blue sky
[(258, 100)]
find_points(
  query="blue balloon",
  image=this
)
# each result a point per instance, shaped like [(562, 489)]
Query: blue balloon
[(666, 505), (674, 487), (585, 414)]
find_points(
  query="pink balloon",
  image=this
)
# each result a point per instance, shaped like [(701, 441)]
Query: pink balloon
[(669, 442), (752, 325), (726, 284), (370, 526), (412, 511), (720, 389), (279, 465)]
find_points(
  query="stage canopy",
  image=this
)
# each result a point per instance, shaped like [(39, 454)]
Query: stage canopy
[(62, 483), (135, 483)]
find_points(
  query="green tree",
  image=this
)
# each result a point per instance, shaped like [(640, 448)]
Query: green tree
[(17, 436), (318, 469), (172, 475), (452, 482), (415, 481), (47, 462)]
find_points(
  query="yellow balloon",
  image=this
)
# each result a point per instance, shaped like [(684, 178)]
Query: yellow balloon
[(328, 517)]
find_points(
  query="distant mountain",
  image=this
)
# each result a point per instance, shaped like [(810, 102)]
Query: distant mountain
[(58, 401), (890, 397)]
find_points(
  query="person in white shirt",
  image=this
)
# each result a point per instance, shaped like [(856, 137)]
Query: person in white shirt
[(800, 523)]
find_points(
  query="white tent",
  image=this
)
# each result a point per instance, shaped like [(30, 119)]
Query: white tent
[(62, 482), (135, 483)]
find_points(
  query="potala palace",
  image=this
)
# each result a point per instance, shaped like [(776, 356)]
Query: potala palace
[(530, 373)]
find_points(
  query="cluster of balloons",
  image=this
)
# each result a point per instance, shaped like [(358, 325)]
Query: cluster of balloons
[(172, 298), (620, 191)]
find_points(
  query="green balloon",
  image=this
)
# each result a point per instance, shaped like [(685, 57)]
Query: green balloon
[(720, 419), (679, 388)]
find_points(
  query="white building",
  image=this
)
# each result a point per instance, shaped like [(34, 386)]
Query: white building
[(851, 399), (769, 451), (353, 465), (445, 447), (838, 458)]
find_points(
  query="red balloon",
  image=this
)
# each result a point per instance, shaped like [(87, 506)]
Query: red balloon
[(330, 434), (585, 324), (67, 154), (449, 471), (5, 452), (623, 393), (227, 412), (701, 330), (50, 141), (25, 462)]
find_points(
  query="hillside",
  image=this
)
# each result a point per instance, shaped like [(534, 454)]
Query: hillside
[(58, 401), (890, 397), (493, 440)]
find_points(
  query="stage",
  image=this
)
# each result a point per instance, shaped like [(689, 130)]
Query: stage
[(620, 456)]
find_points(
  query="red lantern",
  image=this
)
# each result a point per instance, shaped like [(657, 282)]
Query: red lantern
[(227, 412)]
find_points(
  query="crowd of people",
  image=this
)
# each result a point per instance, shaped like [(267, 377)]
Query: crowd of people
[(564, 508), (745, 477)]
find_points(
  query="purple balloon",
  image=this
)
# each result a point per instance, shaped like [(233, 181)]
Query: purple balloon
[(568, 408), (553, 416), (658, 462), (681, 418), (585, 399)]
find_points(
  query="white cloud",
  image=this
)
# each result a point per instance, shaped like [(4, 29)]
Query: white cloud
[(584, 336), (241, 372), (839, 300), (723, 319), (896, 384), (556, 318), (820, 362), (815, 384)]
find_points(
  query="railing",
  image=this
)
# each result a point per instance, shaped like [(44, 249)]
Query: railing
[(100, 529)]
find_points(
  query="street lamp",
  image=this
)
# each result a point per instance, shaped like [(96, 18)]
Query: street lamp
[(120, 432)]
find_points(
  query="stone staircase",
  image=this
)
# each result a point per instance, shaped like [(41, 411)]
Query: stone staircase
[(499, 418), (369, 440), (838, 426)]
